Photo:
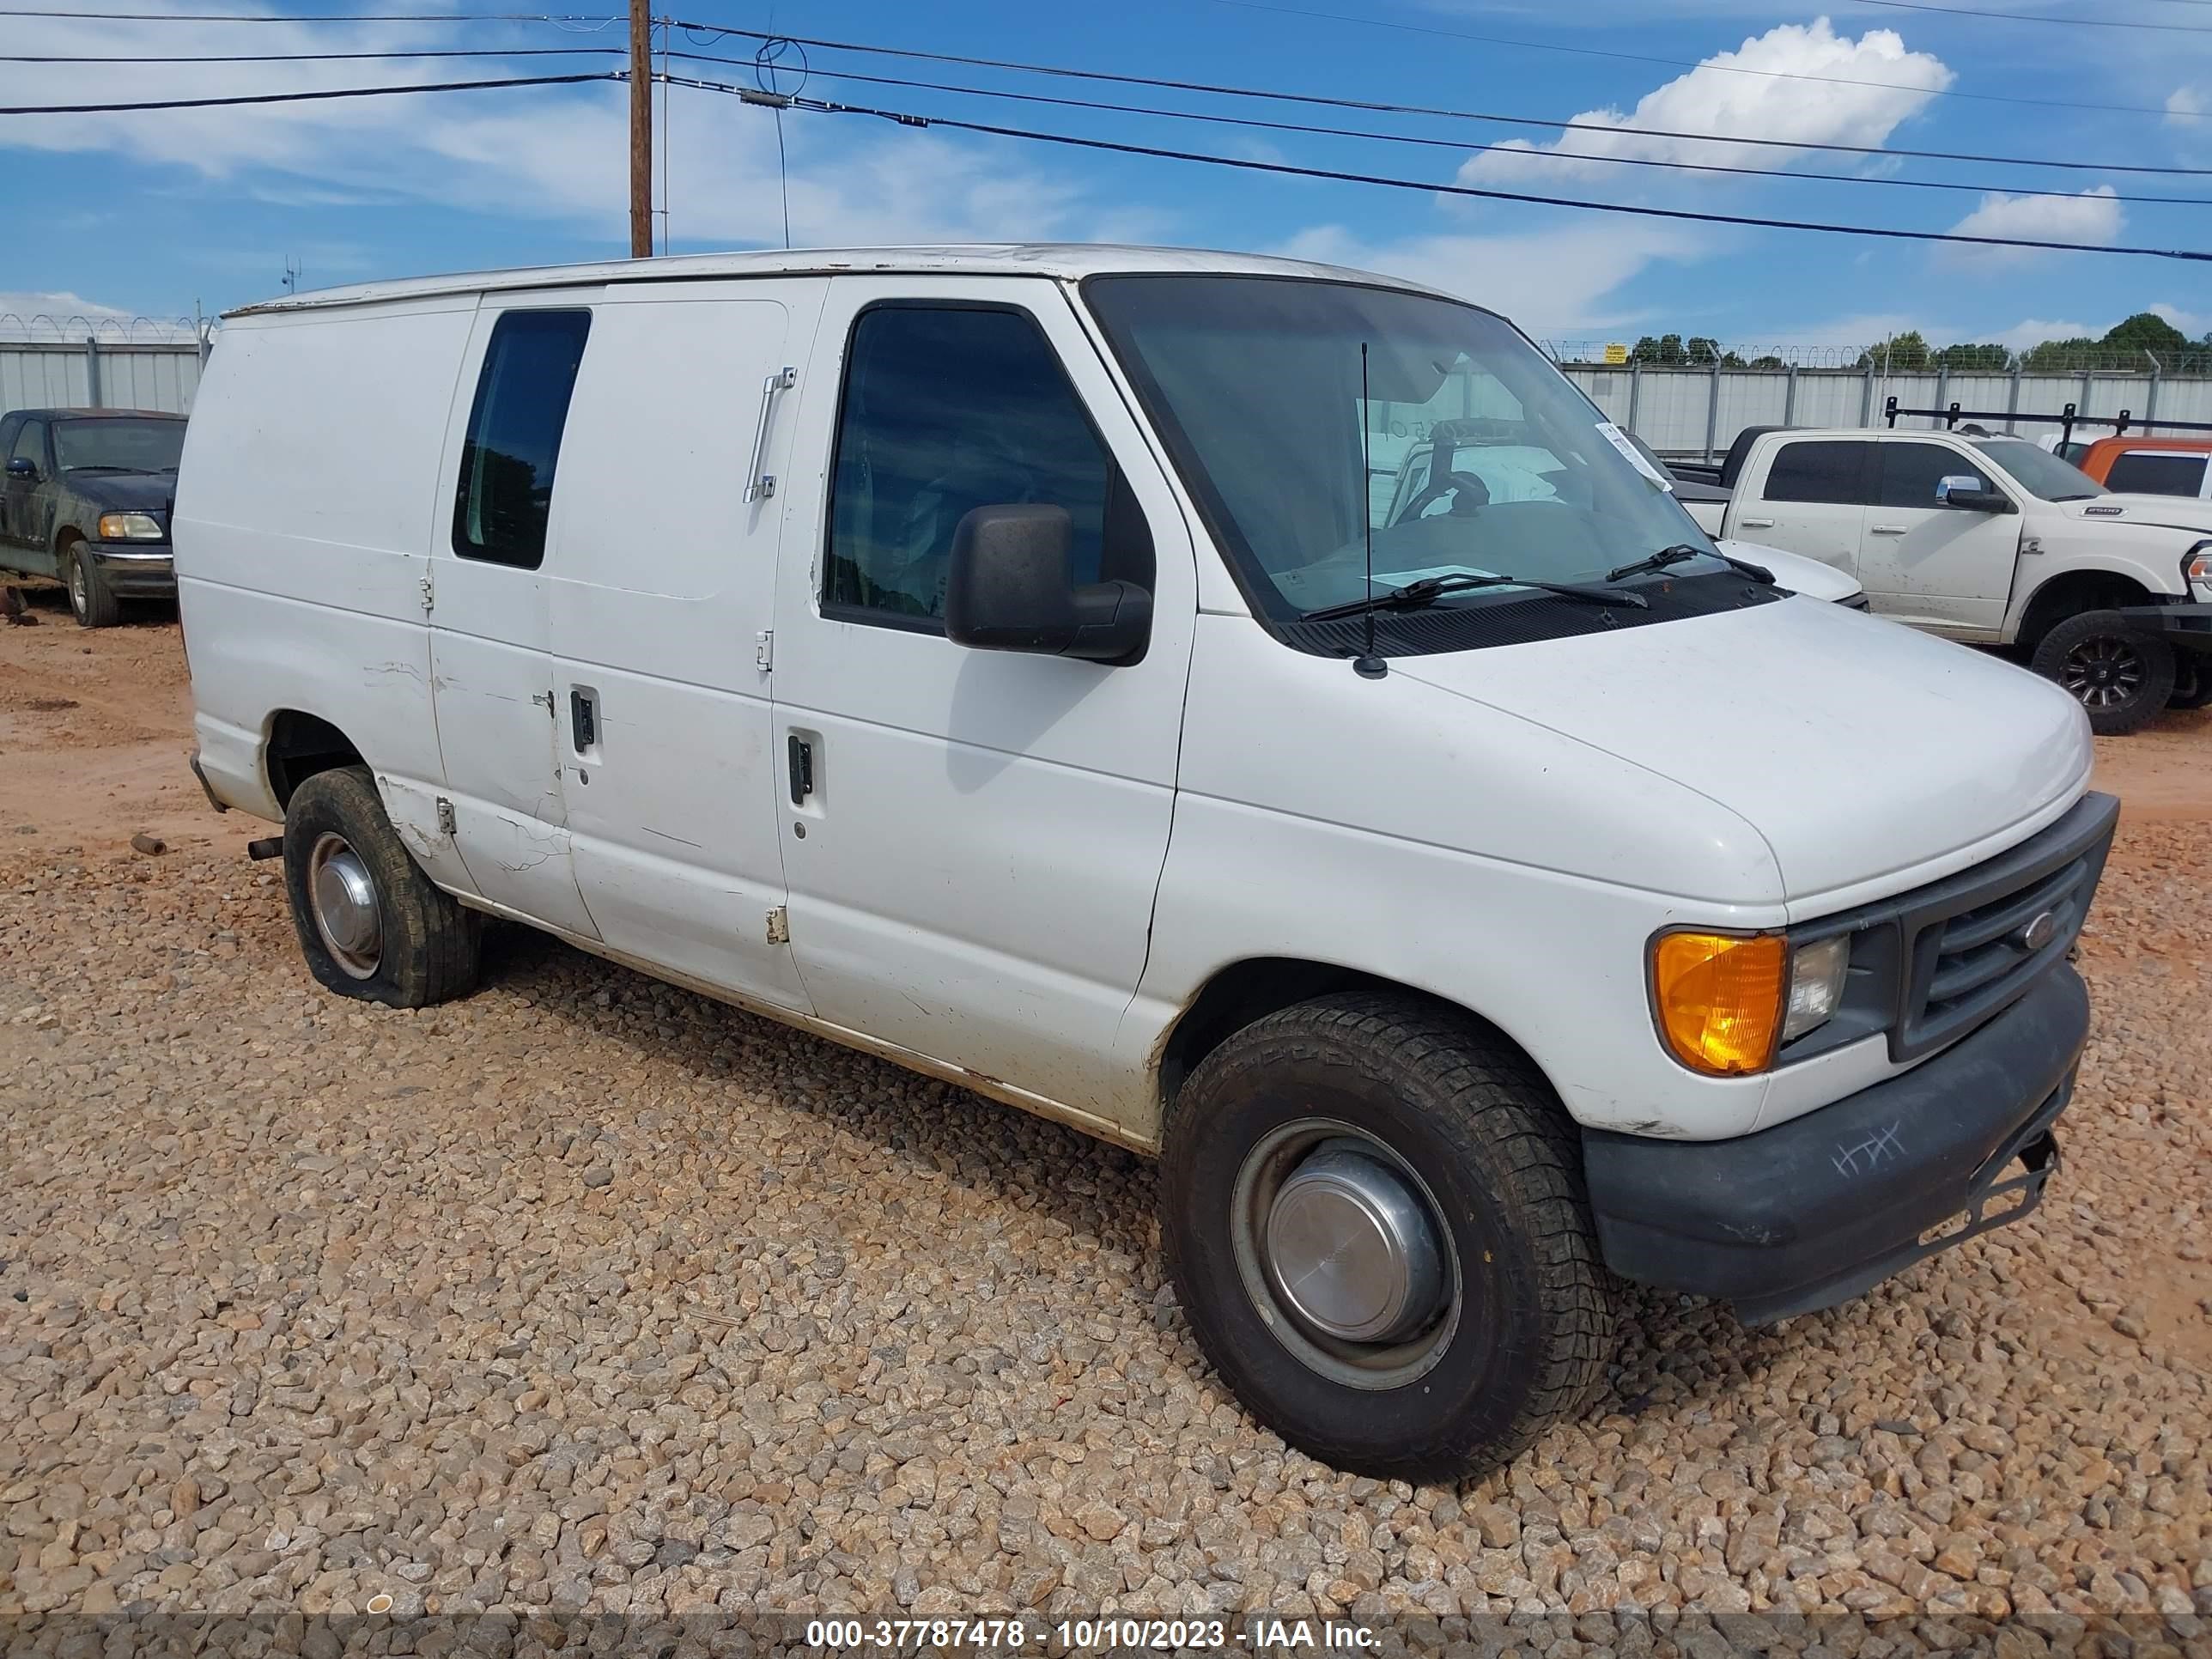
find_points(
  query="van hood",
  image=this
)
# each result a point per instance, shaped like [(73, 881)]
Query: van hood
[(1856, 748), (2168, 512)]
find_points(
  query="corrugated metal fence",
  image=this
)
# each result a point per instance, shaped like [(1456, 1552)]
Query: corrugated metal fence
[(1685, 412), (97, 373), (1678, 411)]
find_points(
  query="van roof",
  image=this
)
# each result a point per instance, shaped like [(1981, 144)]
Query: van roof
[(1067, 261)]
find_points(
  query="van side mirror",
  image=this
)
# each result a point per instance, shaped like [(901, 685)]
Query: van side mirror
[(22, 466), (1012, 587), (1964, 491)]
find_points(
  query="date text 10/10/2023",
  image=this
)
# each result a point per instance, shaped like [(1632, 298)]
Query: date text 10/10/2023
[(1089, 1635)]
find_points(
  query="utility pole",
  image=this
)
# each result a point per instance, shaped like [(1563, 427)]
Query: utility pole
[(640, 131)]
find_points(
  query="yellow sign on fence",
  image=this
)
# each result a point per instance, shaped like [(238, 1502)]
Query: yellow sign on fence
[(1616, 353)]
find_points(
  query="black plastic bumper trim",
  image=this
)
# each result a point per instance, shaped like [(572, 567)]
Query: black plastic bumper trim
[(1816, 1210), (2184, 627)]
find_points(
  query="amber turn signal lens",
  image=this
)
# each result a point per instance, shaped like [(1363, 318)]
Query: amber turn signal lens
[(1719, 999)]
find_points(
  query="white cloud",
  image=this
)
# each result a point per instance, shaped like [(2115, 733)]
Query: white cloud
[(2188, 322), (1711, 99), (2091, 216), (2184, 107), (2035, 330), (1549, 281)]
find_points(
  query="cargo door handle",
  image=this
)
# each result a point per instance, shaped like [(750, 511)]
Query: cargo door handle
[(584, 719), (1756, 524), (1886, 529), (802, 771)]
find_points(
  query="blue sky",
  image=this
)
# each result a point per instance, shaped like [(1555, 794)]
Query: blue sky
[(149, 213)]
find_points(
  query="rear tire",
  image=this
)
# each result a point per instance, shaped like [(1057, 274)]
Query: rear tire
[(2121, 677), (1514, 1328), (2192, 683), (91, 601), (370, 923)]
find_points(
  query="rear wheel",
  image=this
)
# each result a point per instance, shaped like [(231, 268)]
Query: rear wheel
[(1375, 1221), (2121, 678), (370, 923), (91, 601), (2192, 683)]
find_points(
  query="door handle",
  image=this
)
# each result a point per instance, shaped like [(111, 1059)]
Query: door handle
[(759, 485), (584, 721), (1756, 524), (802, 771), (1886, 529)]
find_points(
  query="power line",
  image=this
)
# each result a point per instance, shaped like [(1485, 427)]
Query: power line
[(1458, 146), (1680, 63), (783, 101), (300, 97), (1271, 95), (2068, 20), (305, 56)]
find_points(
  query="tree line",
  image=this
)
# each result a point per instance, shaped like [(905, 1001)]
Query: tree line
[(2121, 346)]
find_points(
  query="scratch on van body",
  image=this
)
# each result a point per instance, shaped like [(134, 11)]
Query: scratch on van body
[(406, 668), (678, 840), (1863, 1156)]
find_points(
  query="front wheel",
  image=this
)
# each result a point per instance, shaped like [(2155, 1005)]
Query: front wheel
[(370, 923), (2121, 678), (1376, 1223), (92, 602)]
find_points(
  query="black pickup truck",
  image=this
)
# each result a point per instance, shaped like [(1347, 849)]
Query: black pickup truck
[(85, 499)]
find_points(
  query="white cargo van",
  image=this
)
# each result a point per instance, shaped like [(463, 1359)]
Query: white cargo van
[(997, 659)]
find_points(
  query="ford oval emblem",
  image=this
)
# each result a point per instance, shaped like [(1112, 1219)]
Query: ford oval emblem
[(2039, 932)]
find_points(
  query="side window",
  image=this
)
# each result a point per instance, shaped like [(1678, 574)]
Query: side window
[(513, 441), (1820, 471), (2151, 472), (1910, 473), (31, 446), (945, 409)]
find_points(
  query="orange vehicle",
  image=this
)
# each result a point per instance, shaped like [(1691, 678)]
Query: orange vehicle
[(2151, 466)]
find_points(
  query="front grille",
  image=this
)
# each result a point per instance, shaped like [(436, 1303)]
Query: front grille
[(1974, 944)]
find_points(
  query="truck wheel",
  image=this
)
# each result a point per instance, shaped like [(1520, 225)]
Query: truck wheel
[(2192, 683), (2120, 676), (1374, 1221), (371, 924), (90, 600)]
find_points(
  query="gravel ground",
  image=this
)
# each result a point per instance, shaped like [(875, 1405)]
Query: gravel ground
[(588, 1292)]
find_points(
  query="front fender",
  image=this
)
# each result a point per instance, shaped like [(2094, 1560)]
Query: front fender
[(2149, 557)]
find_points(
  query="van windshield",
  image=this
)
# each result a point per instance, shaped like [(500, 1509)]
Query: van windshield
[(1469, 454)]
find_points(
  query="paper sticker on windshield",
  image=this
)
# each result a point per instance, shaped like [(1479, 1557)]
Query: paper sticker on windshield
[(1621, 441)]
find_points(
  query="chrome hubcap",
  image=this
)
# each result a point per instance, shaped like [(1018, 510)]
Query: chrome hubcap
[(1349, 1250), (342, 895), (2102, 672), (1342, 1249)]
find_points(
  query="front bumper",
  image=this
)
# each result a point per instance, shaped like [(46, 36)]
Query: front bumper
[(135, 570), (1817, 1210), (2183, 627)]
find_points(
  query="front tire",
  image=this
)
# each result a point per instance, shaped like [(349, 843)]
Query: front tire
[(92, 602), (1304, 1162), (370, 923), (2121, 678)]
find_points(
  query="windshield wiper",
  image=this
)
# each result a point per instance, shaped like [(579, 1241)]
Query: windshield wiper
[(1415, 596), (1667, 556)]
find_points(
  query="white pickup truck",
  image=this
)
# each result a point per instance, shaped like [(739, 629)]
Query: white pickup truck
[(1993, 540)]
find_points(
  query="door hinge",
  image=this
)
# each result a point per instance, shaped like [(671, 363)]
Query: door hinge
[(551, 712), (429, 593), (445, 817), (765, 649), (779, 925)]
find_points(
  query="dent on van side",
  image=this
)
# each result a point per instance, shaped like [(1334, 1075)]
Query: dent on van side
[(1256, 712)]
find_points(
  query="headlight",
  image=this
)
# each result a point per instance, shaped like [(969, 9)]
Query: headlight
[(1725, 1002), (2197, 564), (130, 527)]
